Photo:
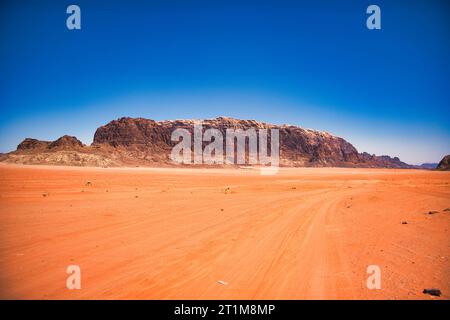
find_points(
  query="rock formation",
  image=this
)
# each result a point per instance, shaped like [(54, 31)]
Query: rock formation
[(444, 164), (138, 141)]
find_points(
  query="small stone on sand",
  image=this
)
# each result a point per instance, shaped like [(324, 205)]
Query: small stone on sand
[(433, 292)]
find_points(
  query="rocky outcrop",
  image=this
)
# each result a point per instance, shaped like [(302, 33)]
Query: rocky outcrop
[(30, 144), (444, 164), (64, 158), (151, 140), (66, 143), (139, 141), (374, 161), (66, 150)]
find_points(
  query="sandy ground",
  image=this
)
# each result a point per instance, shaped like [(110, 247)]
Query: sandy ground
[(223, 233)]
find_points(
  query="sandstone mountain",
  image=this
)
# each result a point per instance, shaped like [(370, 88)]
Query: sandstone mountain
[(445, 163), (138, 141), (66, 150)]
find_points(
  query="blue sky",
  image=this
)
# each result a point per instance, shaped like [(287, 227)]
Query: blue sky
[(312, 64)]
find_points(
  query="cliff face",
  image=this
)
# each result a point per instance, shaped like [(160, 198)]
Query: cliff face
[(151, 140), (444, 164), (138, 141)]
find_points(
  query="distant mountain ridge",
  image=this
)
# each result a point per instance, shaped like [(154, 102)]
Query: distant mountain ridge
[(429, 166), (138, 141)]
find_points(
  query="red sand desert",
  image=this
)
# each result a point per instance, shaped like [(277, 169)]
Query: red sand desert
[(306, 233)]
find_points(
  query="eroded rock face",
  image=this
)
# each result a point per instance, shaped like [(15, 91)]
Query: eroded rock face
[(66, 150), (151, 140), (374, 161), (65, 158), (139, 141), (32, 144), (444, 164), (66, 142)]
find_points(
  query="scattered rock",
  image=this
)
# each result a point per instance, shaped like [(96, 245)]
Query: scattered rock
[(227, 190), (404, 222), (432, 212), (447, 210), (45, 195), (432, 292), (224, 283), (88, 183)]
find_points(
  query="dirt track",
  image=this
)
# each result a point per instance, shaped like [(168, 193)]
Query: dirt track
[(175, 233)]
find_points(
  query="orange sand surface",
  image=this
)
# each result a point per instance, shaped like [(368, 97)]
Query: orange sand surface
[(306, 233)]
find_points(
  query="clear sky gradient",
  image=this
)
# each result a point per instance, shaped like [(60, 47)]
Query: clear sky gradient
[(312, 64)]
